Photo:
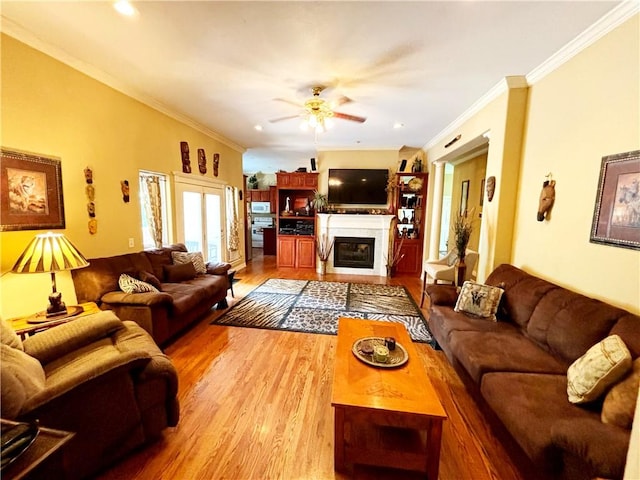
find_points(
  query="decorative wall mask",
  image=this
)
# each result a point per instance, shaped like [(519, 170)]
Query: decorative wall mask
[(491, 187), (547, 197), (88, 175), (186, 162), (90, 192), (202, 161), (216, 164), (91, 209), (124, 186)]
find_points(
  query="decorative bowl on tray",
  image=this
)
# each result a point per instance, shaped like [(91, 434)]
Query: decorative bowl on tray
[(365, 350)]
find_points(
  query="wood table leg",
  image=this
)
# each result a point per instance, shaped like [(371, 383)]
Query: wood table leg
[(434, 438), (338, 447)]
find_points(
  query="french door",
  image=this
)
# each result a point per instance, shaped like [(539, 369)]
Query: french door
[(200, 217)]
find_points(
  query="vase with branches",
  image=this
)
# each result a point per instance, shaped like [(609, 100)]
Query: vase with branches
[(394, 258), (462, 229), (323, 249)]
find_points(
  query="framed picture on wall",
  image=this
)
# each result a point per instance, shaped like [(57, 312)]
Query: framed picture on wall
[(616, 217), (464, 198), (30, 192)]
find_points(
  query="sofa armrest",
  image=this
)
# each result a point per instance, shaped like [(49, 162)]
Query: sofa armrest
[(84, 372), (445, 295), (143, 299), (59, 341), (218, 268), (601, 446)]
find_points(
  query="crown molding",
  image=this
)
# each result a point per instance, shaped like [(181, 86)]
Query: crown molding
[(20, 33), (595, 32), (608, 22)]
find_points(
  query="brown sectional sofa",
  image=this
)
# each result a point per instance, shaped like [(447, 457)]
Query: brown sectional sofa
[(163, 314), (518, 366)]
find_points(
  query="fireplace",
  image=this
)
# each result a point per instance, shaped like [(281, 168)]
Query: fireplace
[(354, 252)]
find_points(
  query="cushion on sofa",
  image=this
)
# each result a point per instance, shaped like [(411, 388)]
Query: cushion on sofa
[(479, 300), (150, 278), (128, 284), (22, 377), (190, 257), (220, 268), (158, 259), (179, 273), (8, 336), (620, 402), (442, 294), (599, 368)]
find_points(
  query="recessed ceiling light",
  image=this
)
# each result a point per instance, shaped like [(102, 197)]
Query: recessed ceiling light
[(125, 8), (258, 127), (398, 125)]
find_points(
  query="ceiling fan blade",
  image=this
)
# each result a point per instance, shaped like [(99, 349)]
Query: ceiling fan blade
[(289, 102), (341, 101), (346, 116), (280, 119)]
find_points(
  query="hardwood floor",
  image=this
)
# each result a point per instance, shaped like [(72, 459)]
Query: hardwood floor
[(255, 404)]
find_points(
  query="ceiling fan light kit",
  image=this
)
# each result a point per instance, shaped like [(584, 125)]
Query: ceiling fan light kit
[(318, 112)]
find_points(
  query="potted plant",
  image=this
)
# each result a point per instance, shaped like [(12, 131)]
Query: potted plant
[(323, 249), (319, 201), (462, 228)]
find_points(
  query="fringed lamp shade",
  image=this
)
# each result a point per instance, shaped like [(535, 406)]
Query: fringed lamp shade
[(50, 252)]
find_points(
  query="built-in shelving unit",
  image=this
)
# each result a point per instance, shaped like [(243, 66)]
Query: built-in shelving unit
[(410, 203)]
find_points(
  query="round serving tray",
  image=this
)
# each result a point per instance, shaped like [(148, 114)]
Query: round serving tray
[(397, 357)]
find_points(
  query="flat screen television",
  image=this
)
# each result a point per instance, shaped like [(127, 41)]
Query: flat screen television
[(355, 186)]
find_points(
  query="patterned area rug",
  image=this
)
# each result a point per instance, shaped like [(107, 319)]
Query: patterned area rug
[(314, 307)]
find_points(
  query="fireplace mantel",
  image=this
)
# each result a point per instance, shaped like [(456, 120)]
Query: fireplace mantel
[(350, 225)]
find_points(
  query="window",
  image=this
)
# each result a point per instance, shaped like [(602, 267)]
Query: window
[(153, 209)]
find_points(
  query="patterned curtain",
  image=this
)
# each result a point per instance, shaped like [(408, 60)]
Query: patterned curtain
[(153, 207), (233, 242)]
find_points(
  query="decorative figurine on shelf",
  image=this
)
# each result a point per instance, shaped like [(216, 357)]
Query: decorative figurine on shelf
[(287, 207), (202, 161), (216, 164), (186, 162), (124, 186), (417, 165)]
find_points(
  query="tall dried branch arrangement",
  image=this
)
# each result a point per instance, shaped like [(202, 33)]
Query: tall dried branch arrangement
[(324, 247)]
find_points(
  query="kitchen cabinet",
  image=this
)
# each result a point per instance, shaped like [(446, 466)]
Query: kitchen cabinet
[(269, 245), (260, 195), (410, 203)]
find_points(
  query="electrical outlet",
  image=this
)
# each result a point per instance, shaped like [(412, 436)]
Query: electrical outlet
[(131, 243)]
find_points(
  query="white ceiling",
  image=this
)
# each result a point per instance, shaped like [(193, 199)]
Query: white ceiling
[(222, 64)]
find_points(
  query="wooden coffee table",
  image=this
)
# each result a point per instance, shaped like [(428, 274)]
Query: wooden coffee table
[(389, 417)]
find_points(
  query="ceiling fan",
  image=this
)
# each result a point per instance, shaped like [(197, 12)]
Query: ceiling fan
[(318, 110)]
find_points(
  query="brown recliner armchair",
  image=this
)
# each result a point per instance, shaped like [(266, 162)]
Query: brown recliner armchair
[(101, 378)]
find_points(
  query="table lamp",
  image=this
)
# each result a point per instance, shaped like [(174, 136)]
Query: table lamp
[(50, 252)]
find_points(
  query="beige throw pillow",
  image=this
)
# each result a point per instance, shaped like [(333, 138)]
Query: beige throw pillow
[(599, 368), (479, 300), (620, 402), (190, 257)]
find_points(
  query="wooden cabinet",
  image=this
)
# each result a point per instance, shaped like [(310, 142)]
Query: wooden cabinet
[(297, 180), (296, 251), (410, 204), (296, 219), (273, 198), (260, 195)]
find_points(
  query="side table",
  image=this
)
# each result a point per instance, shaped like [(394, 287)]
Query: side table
[(43, 458), (24, 328)]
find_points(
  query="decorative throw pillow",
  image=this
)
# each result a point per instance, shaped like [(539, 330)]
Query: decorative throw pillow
[(190, 257), (599, 368), (479, 300), (128, 284), (150, 278), (620, 402), (179, 272), (451, 261)]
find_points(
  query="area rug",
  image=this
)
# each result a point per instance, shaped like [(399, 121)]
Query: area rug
[(314, 307)]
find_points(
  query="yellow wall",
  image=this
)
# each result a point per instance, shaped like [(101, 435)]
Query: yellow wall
[(564, 124), (52, 109), (473, 170), (583, 111)]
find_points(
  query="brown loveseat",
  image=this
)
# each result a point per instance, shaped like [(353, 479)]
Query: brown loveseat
[(102, 379), (180, 301), (518, 366)]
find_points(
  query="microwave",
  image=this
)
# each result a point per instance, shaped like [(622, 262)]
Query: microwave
[(260, 207)]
